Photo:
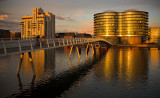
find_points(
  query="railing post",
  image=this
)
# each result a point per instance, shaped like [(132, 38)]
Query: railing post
[(31, 44), (67, 41), (59, 42), (76, 40), (47, 43), (40, 43), (63, 42), (54, 43), (73, 41), (70, 41), (20, 49), (4, 47)]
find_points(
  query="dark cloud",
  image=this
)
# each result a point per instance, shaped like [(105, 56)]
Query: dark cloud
[(67, 18), (3, 12), (10, 25), (60, 17)]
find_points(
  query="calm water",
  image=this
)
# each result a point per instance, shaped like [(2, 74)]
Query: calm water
[(117, 72)]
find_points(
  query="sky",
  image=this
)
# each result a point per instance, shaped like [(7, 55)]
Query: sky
[(73, 15)]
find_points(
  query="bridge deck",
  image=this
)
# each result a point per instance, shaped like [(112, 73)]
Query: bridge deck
[(22, 46)]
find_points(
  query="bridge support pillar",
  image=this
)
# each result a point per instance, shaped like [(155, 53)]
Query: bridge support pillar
[(78, 52), (70, 51), (31, 61), (4, 46), (92, 48), (20, 63)]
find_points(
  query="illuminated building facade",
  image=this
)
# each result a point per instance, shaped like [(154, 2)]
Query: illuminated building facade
[(126, 27), (154, 35), (40, 23)]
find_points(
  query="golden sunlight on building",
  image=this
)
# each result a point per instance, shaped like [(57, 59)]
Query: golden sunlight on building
[(126, 27), (154, 34), (40, 23)]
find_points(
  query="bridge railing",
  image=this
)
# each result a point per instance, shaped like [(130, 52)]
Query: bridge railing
[(19, 45)]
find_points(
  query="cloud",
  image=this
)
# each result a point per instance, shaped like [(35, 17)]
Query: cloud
[(90, 22), (87, 30), (67, 18), (60, 17), (10, 25), (82, 24), (3, 17)]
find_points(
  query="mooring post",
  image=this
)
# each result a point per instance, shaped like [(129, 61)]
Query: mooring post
[(4, 47), (20, 49), (31, 61), (70, 51), (20, 63)]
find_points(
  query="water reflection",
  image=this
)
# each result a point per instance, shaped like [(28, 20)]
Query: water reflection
[(124, 65), (44, 62), (113, 72), (154, 61), (54, 85)]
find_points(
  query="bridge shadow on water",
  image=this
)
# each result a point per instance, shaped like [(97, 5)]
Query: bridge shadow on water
[(58, 84)]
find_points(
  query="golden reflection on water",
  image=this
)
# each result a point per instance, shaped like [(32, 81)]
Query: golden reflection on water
[(154, 58), (42, 60), (125, 65)]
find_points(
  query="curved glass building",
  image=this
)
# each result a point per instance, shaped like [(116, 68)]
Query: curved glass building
[(125, 24)]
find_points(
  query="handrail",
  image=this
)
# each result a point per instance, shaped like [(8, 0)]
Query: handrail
[(9, 46)]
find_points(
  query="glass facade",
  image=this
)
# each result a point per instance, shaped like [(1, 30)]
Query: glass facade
[(128, 23)]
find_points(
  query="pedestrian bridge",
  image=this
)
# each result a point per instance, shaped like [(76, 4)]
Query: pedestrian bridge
[(21, 46), (14, 46)]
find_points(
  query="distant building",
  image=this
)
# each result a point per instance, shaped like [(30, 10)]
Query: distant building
[(66, 35), (40, 23), (5, 33), (84, 35), (15, 35), (72, 35), (154, 35), (128, 27)]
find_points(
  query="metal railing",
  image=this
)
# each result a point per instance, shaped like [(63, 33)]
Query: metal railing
[(31, 44)]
